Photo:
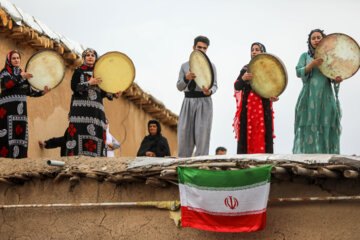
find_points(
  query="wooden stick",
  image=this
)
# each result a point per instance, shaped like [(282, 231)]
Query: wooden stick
[(328, 173), (4, 18), (351, 174), (70, 56), (74, 180), (155, 182), (297, 170), (279, 170), (3, 180)]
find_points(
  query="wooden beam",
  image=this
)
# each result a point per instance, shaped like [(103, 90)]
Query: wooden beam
[(70, 56), (59, 48), (3, 18)]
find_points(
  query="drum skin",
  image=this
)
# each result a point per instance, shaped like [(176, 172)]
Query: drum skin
[(116, 71), (341, 55), (269, 75), (201, 66), (47, 68)]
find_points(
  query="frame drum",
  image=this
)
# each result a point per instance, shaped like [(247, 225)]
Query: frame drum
[(269, 75), (201, 66), (341, 55), (47, 68), (116, 71)]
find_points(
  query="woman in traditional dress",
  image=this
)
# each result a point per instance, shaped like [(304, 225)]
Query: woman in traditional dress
[(253, 122), (13, 108), (154, 144), (317, 113), (86, 134)]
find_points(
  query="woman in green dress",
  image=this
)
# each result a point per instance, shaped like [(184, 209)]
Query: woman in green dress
[(317, 113)]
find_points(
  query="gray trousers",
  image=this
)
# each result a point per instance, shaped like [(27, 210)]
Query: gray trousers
[(194, 126)]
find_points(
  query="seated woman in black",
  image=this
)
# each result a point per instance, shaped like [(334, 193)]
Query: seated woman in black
[(154, 144)]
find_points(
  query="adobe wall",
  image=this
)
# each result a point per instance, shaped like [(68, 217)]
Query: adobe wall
[(47, 115), (305, 220)]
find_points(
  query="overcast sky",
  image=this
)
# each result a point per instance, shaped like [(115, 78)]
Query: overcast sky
[(158, 36)]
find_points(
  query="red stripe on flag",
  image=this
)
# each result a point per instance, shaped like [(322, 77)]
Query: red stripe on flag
[(220, 223)]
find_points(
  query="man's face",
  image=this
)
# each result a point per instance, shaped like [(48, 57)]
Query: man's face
[(220, 152), (201, 46)]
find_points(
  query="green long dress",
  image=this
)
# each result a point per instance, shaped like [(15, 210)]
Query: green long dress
[(317, 113)]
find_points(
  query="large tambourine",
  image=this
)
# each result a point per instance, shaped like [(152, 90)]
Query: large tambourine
[(269, 75), (201, 66), (47, 68), (341, 55), (116, 71)]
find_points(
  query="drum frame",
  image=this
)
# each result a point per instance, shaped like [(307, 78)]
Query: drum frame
[(282, 64), (338, 34), (47, 50), (132, 63), (210, 65)]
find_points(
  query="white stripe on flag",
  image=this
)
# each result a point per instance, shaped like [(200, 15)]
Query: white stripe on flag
[(252, 199)]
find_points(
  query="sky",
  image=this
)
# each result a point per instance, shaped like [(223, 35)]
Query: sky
[(158, 36)]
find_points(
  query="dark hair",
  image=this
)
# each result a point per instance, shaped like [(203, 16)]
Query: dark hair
[(311, 49), (201, 39), (220, 149)]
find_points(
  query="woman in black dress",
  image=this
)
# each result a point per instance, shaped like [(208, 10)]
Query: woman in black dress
[(13, 108), (154, 144), (86, 134), (253, 122)]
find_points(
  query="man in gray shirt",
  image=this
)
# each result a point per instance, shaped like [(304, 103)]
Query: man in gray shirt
[(194, 124)]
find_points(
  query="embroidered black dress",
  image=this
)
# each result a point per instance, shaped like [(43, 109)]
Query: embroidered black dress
[(13, 113), (86, 134)]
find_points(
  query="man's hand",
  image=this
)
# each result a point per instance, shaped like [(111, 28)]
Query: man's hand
[(42, 144), (190, 76), (206, 91)]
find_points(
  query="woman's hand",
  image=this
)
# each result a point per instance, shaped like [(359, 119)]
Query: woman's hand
[(338, 79), (247, 77), (316, 62), (190, 76), (273, 99), (46, 90), (118, 94), (150, 154), (94, 81), (26, 75)]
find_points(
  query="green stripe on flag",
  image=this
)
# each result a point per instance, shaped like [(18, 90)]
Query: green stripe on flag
[(224, 179)]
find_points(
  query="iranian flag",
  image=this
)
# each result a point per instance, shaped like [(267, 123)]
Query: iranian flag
[(224, 201)]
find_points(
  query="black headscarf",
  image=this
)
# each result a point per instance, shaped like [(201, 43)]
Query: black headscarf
[(311, 50), (154, 143), (9, 67), (262, 47)]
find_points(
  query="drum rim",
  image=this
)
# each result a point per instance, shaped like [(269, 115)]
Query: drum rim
[(210, 65), (62, 60), (346, 36), (279, 60), (132, 64)]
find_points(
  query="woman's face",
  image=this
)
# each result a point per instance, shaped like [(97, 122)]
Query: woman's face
[(90, 58), (315, 38), (152, 129), (255, 50), (15, 60)]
